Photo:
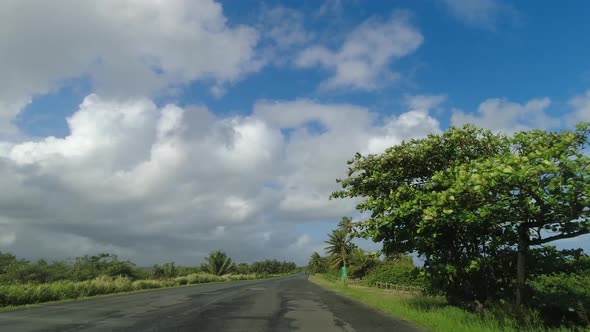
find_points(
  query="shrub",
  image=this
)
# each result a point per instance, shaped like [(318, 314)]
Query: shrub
[(199, 278), (563, 299), (396, 273), (146, 284)]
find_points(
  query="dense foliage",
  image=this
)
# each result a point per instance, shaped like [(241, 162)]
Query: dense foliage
[(317, 264), (13, 270), (21, 271), (480, 208), (402, 272), (272, 267)]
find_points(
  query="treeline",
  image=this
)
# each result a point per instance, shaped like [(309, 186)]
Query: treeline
[(20, 271), (23, 282), (482, 210)]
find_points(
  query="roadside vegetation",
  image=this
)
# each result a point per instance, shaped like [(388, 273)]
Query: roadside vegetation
[(433, 312), (23, 282), (482, 211)]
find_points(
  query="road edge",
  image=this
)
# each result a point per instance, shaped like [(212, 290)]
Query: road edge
[(409, 324)]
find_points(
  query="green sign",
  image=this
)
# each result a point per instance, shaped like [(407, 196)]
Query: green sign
[(343, 272)]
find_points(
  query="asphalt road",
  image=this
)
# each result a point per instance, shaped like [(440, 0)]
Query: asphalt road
[(285, 304)]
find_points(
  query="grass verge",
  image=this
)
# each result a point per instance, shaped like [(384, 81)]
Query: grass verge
[(430, 313)]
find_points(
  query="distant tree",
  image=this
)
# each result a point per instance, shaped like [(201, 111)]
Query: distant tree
[(170, 270), (316, 264), (242, 268), (346, 225), (273, 266), (6, 260), (89, 267), (218, 263), (338, 247), (361, 262)]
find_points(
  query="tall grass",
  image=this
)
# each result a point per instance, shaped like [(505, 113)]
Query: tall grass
[(22, 294), (432, 313)]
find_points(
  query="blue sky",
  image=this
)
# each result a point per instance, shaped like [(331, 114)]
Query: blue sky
[(250, 108), (529, 49)]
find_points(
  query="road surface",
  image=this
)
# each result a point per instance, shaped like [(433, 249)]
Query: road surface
[(286, 304)]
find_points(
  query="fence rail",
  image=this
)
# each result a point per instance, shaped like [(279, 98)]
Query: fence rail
[(406, 288), (354, 281), (386, 285)]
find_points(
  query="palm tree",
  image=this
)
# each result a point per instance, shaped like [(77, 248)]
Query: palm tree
[(361, 262), (339, 243), (316, 263), (218, 263), (346, 225), (338, 247)]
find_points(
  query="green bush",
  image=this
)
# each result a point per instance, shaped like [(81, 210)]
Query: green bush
[(146, 284), (509, 314), (333, 275), (396, 273), (563, 299), (200, 278)]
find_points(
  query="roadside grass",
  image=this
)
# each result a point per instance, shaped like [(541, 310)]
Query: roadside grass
[(16, 296), (430, 313)]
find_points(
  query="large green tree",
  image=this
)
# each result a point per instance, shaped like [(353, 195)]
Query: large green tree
[(394, 186), (535, 193), (461, 198)]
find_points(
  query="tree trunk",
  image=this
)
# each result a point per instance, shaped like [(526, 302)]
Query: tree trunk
[(523, 239)]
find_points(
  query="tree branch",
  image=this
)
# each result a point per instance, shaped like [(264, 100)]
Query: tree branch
[(558, 237)]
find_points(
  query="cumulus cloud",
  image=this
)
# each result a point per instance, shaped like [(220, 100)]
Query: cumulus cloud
[(503, 115), (155, 183), (282, 32), (126, 48), (362, 62), (480, 13), (581, 105), (415, 123)]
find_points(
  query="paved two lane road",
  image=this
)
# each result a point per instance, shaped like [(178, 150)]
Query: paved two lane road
[(285, 304)]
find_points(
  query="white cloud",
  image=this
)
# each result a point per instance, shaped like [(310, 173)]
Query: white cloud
[(363, 61), (155, 183), (415, 123), (330, 8), (480, 13), (424, 103), (285, 27), (502, 115), (125, 47), (581, 105), (282, 33)]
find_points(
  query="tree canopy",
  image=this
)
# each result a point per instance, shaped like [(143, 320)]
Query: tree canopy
[(461, 198)]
